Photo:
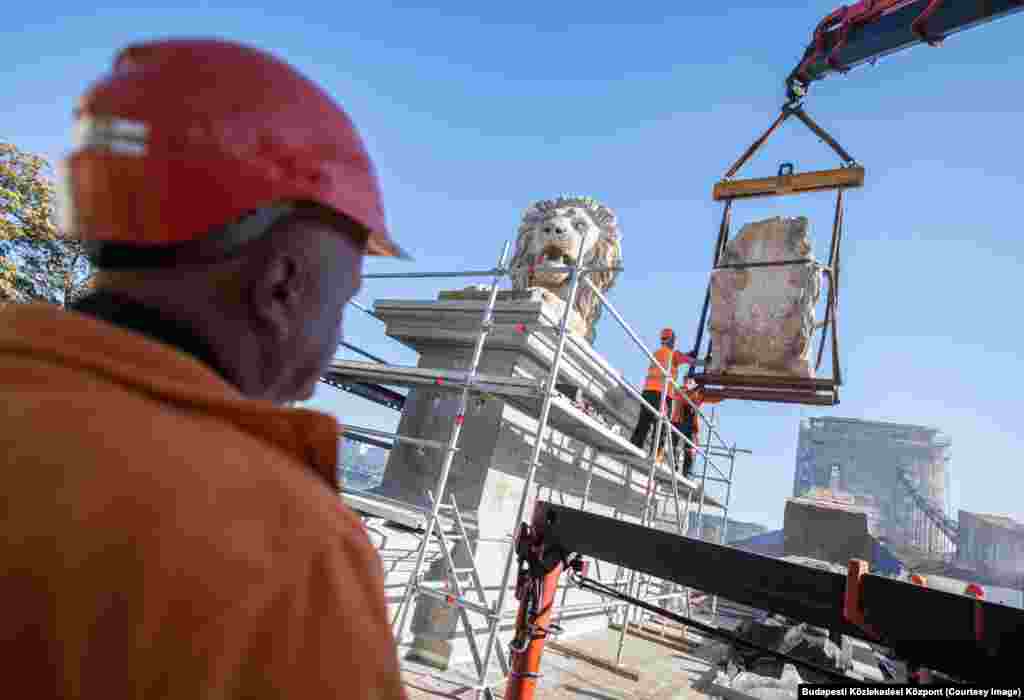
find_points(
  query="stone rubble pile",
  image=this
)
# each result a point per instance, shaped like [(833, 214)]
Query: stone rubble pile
[(751, 684), (775, 632)]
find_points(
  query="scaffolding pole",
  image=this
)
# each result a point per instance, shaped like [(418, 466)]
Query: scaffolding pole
[(453, 439), (545, 410)]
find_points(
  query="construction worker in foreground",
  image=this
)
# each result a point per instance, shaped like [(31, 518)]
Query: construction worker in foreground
[(170, 530), (654, 385), (687, 420)]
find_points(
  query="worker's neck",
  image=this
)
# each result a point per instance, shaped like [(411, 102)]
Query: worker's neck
[(198, 334)]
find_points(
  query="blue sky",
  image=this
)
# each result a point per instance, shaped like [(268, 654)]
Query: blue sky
[(644, 106)]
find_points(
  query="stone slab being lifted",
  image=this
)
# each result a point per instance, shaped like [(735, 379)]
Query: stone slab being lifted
[(762, 318)]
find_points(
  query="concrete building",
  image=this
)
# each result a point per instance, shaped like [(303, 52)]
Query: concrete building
[(896, 473), (992, 544)]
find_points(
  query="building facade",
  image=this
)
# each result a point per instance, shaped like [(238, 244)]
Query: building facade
[(897, 473), (992, 544)]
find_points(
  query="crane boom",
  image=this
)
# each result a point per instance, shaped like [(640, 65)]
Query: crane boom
[(870, 29)]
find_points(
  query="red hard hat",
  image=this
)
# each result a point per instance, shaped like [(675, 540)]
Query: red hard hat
[(975, 590), (185, 136), (667, 334)]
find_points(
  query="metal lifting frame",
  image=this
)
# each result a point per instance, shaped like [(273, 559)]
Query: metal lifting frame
[(515, 390), (812, 391)]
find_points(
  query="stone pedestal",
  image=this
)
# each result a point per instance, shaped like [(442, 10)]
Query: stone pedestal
[(826, 531), (489, 470)]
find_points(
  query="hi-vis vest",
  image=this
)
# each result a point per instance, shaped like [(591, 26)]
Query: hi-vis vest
[(656, 377)]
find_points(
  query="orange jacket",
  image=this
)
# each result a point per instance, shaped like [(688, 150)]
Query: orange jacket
[(655, 375), (697, 396), (163, 536)]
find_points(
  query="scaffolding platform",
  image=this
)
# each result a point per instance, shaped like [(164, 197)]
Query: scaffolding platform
[(404, 514), (525, 394)]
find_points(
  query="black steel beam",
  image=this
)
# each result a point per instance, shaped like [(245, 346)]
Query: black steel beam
[(371, 392), (811, 595), (937, 630), (910, 619), (356, 437), (892, 32)]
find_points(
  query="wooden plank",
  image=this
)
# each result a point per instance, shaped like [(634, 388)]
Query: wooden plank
[(797, 183), (593, 660), (650, 634)]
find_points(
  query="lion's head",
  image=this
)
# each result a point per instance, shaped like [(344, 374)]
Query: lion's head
[(551, 232)]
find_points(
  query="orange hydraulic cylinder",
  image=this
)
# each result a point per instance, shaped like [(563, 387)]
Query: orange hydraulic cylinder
[(525, 665)]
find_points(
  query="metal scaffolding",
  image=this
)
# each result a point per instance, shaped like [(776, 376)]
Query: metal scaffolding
[(553, 411)]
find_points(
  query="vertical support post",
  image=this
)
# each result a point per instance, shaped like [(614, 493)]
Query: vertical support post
[(453, 440), (542, 424), (686, 519), (583, 506), (725, 520), (674, 466), (663, 417), (723, 238), (704, 478)]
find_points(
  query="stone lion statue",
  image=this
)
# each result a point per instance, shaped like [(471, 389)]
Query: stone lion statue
[(550, 233)]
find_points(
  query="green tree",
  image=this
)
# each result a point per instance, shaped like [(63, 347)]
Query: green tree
[(37, 261)]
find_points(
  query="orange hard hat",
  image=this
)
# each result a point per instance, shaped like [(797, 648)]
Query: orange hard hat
[(918, 579), (184, 137), (667, 334)]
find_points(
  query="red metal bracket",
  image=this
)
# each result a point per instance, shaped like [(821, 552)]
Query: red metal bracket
[(845, 21), (819, 42), (920, 25), (853, 604), (976, 592)]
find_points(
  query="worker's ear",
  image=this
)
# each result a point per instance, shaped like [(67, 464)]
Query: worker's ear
[(278, 296)]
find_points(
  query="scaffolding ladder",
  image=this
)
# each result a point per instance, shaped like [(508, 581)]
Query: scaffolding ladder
[(456, 596)]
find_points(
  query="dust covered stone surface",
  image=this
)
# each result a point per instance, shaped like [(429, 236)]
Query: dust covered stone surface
[(762, 318)]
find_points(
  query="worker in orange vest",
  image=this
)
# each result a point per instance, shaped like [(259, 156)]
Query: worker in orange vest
[(171, 528), (654, 385), (687, 420)]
